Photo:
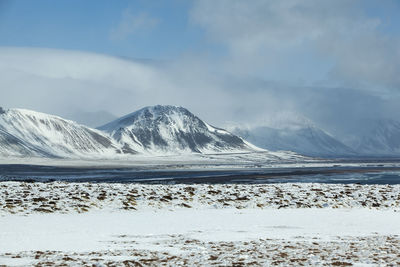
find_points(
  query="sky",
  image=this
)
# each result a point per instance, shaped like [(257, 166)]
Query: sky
[(229, 61), (159, 30)]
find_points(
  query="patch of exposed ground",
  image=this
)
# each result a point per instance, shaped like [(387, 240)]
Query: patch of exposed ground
[(59, 197), (177, 250)]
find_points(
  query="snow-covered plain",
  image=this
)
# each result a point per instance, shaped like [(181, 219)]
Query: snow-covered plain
[(182, 161), (80, 224)]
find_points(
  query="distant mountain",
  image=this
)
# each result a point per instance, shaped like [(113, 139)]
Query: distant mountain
[(29, 133), (383, 139), (172, 129), (294, 133)]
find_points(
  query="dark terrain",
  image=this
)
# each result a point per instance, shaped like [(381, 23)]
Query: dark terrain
[(372, 173)]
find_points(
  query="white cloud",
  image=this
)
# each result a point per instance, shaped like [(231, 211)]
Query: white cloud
[(335, 41), (263, 23), (131, 23), (55, 80), (371, 61), (59, 81)]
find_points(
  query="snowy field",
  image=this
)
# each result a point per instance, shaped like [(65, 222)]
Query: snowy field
[(174, 161), (78, 224), (283, 159)]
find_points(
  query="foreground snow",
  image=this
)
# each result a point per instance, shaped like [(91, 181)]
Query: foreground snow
[(133, 225), (181, 237)]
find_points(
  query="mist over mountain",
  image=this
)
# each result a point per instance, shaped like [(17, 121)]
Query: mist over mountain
[(309, 141), (382, 139), (292, 132), (61, 81)]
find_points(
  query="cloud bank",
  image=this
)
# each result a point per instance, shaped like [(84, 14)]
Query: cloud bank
[(62, 82)]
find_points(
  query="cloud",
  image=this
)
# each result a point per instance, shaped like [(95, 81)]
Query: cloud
[(371, 62), (276, 23), (61, 82), (336, 42), (57, 80), (64, 82), (131, 24)]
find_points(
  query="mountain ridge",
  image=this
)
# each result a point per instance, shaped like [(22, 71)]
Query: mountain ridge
[(26, 133), (162, 127), (171, 130), (32, 133)]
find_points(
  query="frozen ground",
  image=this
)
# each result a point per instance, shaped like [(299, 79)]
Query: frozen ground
[(59, 197), (229, 225)]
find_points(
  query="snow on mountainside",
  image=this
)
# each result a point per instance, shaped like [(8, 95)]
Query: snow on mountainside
[(383, 139), (292, 132), (166, 130), (172, 129), (29, 133)]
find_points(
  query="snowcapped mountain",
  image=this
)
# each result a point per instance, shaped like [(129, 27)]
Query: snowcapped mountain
[(29, 133), (172, 129), (294, 133), (383, 139), (152, 130), (166, 130)]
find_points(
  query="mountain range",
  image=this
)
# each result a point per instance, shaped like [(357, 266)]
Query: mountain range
[(151, 130), (299, 134), (171, 130)]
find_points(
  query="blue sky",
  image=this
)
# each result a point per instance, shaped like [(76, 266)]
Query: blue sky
[(87, 25)]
